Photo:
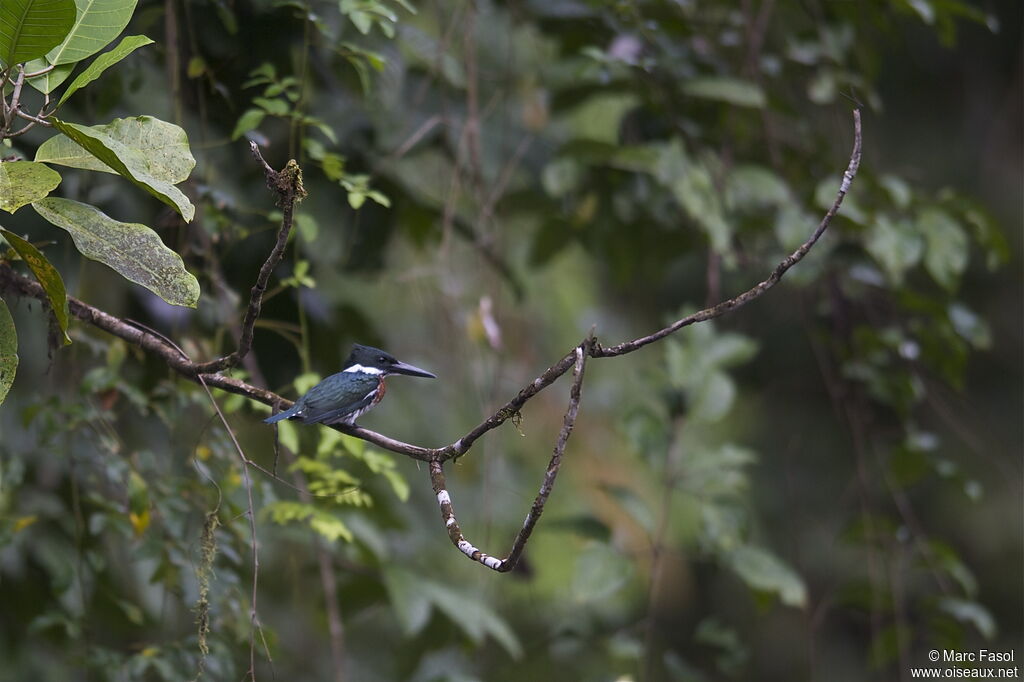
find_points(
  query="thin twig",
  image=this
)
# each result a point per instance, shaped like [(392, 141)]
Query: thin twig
[(415, 137), (288, 186), (253, 617), (29, 117), (40, 72), (504, 178), (246, 462), (13, 105), (21, 131)]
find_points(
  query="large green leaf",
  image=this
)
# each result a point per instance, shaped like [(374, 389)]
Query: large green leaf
[(946, 257), (473, 616), (895, 244), (47, 276), (724, 89), (28, 28), (133, 250), (22, 182), (410, 602), (104, 62), (692, 182), (163, 146), (599, 117), (762, 570), (97, 23), (967, 611), (414, 597), (49, 81), (8, 350), (153, 152)]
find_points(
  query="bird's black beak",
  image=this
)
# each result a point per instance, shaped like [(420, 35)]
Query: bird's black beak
[(404, 368)]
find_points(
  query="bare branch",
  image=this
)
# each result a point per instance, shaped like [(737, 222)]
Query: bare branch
[(40, 72), (287, 184), (12, 107), (11, 281), (254, 622), (568, 422), (29, 117)]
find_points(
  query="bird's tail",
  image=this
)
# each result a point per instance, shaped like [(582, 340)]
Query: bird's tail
[(287, 414)]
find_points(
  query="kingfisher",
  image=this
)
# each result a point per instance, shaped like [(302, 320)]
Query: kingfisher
[(341, 398)]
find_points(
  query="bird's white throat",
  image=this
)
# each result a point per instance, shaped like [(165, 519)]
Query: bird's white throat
[(365, 370)]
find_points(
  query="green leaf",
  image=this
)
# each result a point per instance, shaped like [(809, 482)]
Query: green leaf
[(728, 350), (792, 226), (751, 187), (47, 82), (133, 250), (249, 120), (409, 602), (971, 612), (97, 23), (412, 598), (104, 62), (713, 399), (969, 326), (762, 570), (28, 28), (583, 525), (8, 350), (379, 197), (732, 653), (895, 245), (274, 107), (325, 523), (47, 276), (634, 506), (692, 183), (946, 258), (163, 146), (329, 526), (356, 199), (561, 176), (133, 162), (600, 573), (724, 89), (897, 188), (22, 182), (473, 617), (288, 435), (598, 118)]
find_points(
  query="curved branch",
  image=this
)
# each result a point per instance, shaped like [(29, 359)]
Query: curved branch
[(288, 184), (19, 284), (444, 500)]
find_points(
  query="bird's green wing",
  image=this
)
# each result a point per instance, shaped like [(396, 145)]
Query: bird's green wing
[(333, 395)]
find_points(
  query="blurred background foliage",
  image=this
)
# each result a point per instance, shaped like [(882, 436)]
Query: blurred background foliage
[(823, 485)]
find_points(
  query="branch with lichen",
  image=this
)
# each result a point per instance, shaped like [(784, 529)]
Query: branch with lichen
[(289, 182)]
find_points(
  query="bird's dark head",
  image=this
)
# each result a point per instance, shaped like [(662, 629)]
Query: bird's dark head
[(371, 360)]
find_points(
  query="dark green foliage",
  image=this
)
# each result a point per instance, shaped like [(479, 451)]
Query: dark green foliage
[(823, 484)]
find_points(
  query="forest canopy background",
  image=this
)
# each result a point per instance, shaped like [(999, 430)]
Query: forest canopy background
[(824, 484)]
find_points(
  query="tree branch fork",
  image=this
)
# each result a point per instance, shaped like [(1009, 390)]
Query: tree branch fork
[(287, 185)]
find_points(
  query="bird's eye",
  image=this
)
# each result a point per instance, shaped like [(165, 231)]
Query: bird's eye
[(382, 359)]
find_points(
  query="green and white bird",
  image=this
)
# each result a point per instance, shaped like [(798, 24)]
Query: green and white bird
[(341, 398)]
